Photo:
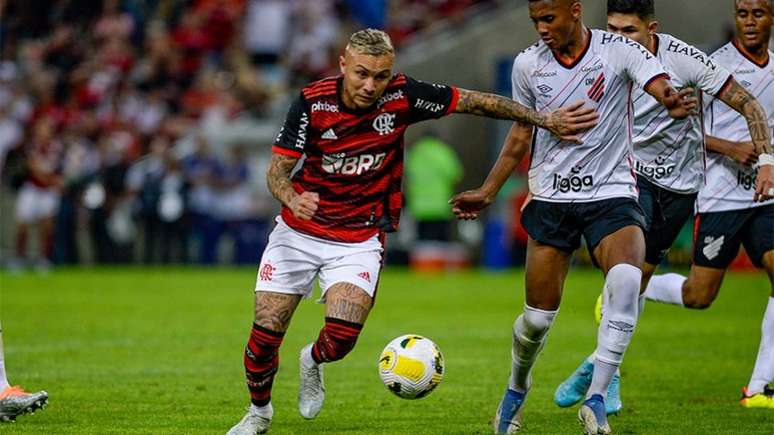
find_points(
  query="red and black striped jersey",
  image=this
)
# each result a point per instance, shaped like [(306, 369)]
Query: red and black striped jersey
[(354, 159)]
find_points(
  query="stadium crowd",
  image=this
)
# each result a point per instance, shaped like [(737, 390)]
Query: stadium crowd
[(145, 124)]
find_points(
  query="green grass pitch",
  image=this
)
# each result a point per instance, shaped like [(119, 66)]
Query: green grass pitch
[(159, 351)]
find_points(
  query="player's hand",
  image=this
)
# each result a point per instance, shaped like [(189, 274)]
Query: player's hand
[(682, 104), (764, 186), (744, 153), (569, 121), (304, 206), (467, 205)]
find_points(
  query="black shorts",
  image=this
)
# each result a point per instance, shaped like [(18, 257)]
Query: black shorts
[(561, 224), (666, 213), (718, 235)]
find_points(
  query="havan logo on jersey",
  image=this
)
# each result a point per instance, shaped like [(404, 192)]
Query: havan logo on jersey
[(575, 183), (746, 180), (339, 163), (657, 171)]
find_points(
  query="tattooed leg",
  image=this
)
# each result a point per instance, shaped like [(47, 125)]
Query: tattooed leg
[(273, 311), (347, 302)]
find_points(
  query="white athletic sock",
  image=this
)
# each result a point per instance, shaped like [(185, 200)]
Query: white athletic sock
[(667, 288), (264, 411), (763, 373), (618, 321), (529, 336), (3, 378)]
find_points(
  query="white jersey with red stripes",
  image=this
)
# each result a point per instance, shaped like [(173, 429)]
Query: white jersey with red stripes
[(731, 185), (603, 77), (670, 152)]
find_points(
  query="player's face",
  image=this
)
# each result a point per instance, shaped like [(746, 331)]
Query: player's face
[(555, 21), (753, 23), (632, 27), (365, 78)]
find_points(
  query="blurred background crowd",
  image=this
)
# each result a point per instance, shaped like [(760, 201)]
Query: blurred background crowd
[(140, 130)]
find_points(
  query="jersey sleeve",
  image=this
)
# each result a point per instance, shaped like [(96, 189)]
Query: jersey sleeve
[(707, 75), (632, 60), (521, 91), (292, 138), (429, 100)]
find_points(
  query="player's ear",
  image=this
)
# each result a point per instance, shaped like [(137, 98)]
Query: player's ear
[(653, 27), (576, 9), (342, 64)]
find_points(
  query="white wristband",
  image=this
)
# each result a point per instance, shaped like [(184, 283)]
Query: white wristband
[(765, 159)]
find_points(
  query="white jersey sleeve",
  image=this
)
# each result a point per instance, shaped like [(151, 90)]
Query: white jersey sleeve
[(520, 86), (629, 58)]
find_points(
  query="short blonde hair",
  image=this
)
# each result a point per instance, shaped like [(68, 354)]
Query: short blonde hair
[(372, 42)]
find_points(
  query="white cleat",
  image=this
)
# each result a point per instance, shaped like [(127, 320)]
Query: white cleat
[(257, 420), (311, 391)]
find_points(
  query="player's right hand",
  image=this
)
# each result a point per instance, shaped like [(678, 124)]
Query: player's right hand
[(744, 153), (569, 121), (467, 205), (682, 104), (304, 206)]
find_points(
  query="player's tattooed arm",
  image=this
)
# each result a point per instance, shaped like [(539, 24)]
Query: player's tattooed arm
[(303, 205), (565, 122), (743, 102)]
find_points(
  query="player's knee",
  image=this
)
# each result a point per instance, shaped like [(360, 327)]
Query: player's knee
[(699, 297), (533, 324), (623, 283), (337, 338)]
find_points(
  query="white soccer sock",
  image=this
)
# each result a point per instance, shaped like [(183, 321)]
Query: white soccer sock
[(264, 411), (763, 373), (667, 288), (529, 336), (3, 378), (617, 326)]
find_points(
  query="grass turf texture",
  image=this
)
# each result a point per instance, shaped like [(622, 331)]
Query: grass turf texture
[(159, 351)]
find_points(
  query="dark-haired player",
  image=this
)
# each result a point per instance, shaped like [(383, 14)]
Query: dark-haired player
[(669, 153)]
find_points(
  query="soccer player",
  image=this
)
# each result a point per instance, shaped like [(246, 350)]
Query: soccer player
[(584, 190), (669, 153), (341, 199), (730, 212), (14, 401)]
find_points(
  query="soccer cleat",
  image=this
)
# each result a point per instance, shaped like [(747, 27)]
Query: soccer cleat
[(257, 420), (14, 402), (311, 392), (508, 417), (598, 309), (758, 400), (593, 417), (574, 389)]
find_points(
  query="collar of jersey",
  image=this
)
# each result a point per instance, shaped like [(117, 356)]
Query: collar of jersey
[(748, 57), (580, 57)]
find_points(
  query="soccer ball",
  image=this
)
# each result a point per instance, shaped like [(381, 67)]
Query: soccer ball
[(411, 366)]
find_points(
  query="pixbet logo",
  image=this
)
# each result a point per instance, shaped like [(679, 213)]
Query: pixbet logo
[(392, 96), (324, 106), (339, 163)]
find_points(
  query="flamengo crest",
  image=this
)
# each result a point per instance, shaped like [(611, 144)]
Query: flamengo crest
[(385, 123)]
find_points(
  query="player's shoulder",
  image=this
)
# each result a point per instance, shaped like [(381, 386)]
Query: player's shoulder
[(725, 52), (670, 47), (526, 58), (612, 44), (321, 88)]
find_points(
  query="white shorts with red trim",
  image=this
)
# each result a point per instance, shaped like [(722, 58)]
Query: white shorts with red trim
[(292, 260)]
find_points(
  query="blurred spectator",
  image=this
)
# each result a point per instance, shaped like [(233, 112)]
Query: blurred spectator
[(432, 171), (266, 29), (38, 198)]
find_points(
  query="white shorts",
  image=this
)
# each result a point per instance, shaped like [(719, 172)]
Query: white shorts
[(35, 203), (292, 261)]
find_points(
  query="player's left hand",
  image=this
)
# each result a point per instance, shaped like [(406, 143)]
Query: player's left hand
[(684, 104), (467, 205), (764, 186), (568, 122)]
